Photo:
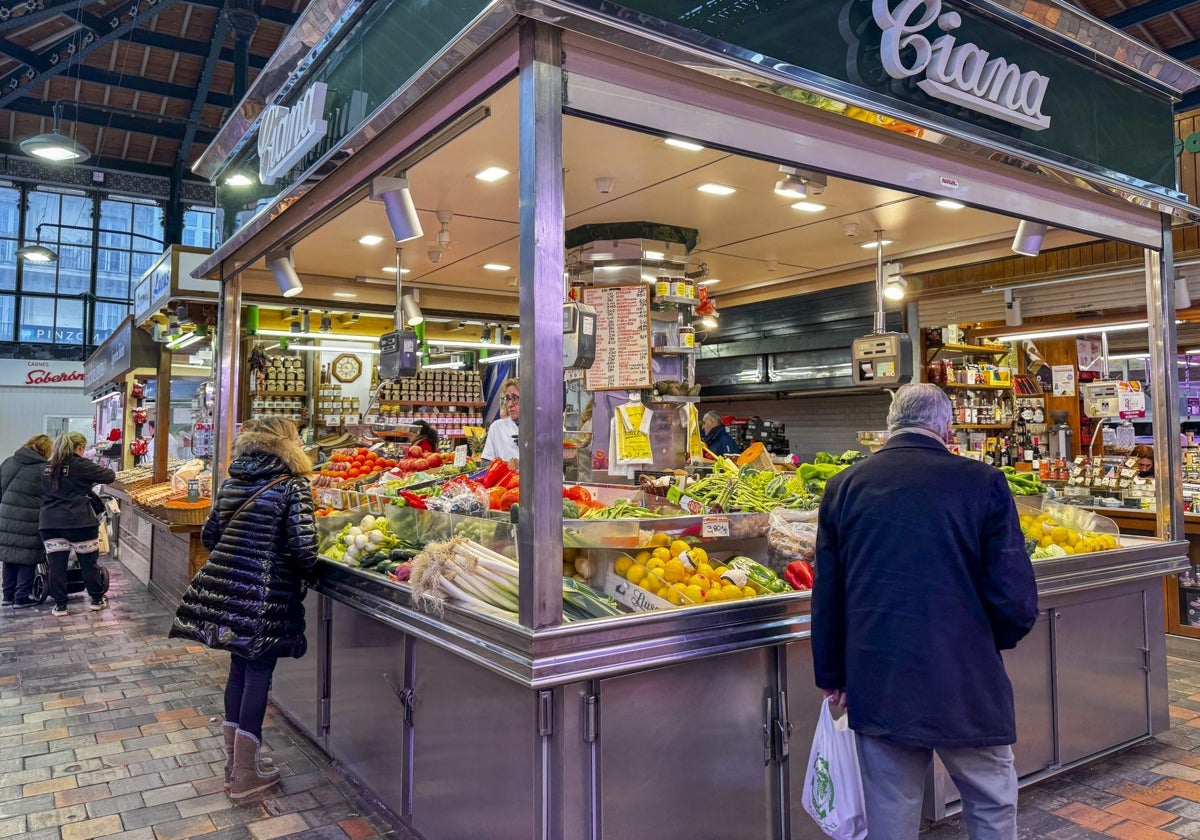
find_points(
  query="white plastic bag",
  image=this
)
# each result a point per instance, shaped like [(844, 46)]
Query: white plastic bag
[(833, 794)]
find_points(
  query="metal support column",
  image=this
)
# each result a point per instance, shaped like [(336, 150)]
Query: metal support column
[(228, 343), (539, 535), (1168, 455)]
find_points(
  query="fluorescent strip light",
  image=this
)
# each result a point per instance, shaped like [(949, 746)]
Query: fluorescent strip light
[(436, 365), (370, 239), (503, 357), (346, 295), (711, 281), (471, 345), (948, 204), (391, 269), (370, 351), (716, 189), (1080, 330), (870, 245), (497, 267), (686, 145), (184, 340), (320, 335), (808, 206), (492, 173), (107, 396)]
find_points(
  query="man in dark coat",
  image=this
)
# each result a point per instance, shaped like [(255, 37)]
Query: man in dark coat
[(20, 505), (922, 580)]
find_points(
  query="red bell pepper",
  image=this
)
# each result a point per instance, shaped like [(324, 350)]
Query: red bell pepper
[(799, 574), (497, 471), (512, 481), (413, 500), (510, 498)]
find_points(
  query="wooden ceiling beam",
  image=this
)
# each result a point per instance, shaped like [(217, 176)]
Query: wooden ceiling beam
[(144, 85), (1137, 15), (153, 125), (187, 46), (74, 50)]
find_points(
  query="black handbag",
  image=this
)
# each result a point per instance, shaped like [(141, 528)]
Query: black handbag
[(96, 502)]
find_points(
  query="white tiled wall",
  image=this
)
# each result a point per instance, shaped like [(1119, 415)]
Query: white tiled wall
[(814, 424)]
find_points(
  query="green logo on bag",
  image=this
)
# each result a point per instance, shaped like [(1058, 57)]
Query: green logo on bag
[(822, 789)]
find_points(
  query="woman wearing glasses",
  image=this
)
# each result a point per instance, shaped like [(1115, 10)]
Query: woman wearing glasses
[(502, 434)]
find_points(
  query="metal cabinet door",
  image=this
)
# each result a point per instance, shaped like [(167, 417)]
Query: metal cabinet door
[(1100, 660), (804, 708), (1029, 671), (299, 685), (681, 751), (366, 717)]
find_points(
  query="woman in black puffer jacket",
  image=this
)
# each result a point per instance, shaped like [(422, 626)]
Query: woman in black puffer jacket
[(20, 503), (248, 598)]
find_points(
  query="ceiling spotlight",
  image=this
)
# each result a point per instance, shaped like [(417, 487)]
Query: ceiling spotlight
[(55, 146), (454, 326), (800, 183), (708, 322), (893, 283), (1012, 310), (1183, 297), (1028, 240), (444, 218), (284, 269), (412, 312), (326, 322), (790, 186), (398, 202)]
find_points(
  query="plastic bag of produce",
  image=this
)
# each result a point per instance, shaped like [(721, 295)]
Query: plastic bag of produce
[(833, 794), (791, 535)]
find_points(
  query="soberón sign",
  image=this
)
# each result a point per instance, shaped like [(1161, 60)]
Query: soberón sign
[(962, 74)]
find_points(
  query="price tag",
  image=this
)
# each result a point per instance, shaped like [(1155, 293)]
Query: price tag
[(329, 497), (460, 455), (193, 490), (714, 526)]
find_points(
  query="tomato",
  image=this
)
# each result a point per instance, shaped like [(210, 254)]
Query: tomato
[(510, 498)]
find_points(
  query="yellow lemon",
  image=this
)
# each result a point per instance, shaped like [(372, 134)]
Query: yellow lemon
[(749, 591), (695, 594), (1072, 537), (1059, 534), (623, 564), (660, 539), (661, 592), (635, 573), (704, 569), (731, 592), (699, 557), (656, 563), (661, 553), (699, 580), (649, 584), (714, 594), (678, 547), (718, 571), (1045, 541), (643, 557), (674, 571)]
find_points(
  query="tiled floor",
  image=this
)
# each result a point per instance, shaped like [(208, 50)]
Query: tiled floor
[(110, 729)]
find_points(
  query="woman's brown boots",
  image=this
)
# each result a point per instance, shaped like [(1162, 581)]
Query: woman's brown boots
[(266, 764), (248, 778)]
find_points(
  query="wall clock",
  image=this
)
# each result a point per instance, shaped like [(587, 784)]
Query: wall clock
[(347, 368)]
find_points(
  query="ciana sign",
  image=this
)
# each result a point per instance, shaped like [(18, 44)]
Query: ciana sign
[(961, 74), (287, 134)]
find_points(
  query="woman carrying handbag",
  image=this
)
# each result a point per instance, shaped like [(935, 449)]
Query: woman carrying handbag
[(248, 598)]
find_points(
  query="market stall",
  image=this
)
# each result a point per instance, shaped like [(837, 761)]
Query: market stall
[(405, 689)]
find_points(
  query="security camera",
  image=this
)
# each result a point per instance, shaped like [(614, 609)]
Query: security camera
[(435, 253), (604, 185)]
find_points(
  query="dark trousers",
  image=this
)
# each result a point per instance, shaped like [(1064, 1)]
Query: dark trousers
[(58, 543), (246, 692), (18, 579)]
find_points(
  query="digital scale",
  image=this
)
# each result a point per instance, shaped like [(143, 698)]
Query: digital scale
[(579, 335), (882, 359), (398, 357), (1113, 398)]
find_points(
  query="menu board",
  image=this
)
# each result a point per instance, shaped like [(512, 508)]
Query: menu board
[(622, 338)]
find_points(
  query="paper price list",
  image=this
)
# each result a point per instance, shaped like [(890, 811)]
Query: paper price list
[(622, 338)]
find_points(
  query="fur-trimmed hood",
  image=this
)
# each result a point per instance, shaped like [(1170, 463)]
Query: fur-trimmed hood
[(289, 452)]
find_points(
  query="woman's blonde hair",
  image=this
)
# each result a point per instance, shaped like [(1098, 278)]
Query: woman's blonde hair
[(41, 444), (278, 436), (64, 447), (511, 382)]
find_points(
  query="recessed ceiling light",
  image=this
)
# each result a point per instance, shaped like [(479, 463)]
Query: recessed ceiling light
[(497, 267), (346, 295), (947, 204), (716, 189), (869, 245), (391, 269), (492, 173), (710, 281), (370, 239), (684, 144), (808, 206)]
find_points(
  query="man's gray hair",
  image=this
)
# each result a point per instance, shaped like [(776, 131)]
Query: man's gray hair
[(711, 415), (922, 405)]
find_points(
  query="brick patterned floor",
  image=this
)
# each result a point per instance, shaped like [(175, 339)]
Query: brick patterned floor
[(110, 729)]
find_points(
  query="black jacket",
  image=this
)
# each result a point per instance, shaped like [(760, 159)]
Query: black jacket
[(719, 441), (248, 598), (922, 579), (20, 506), (67, 505)]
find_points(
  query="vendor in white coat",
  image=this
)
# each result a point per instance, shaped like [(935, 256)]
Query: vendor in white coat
[(502, 434)]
